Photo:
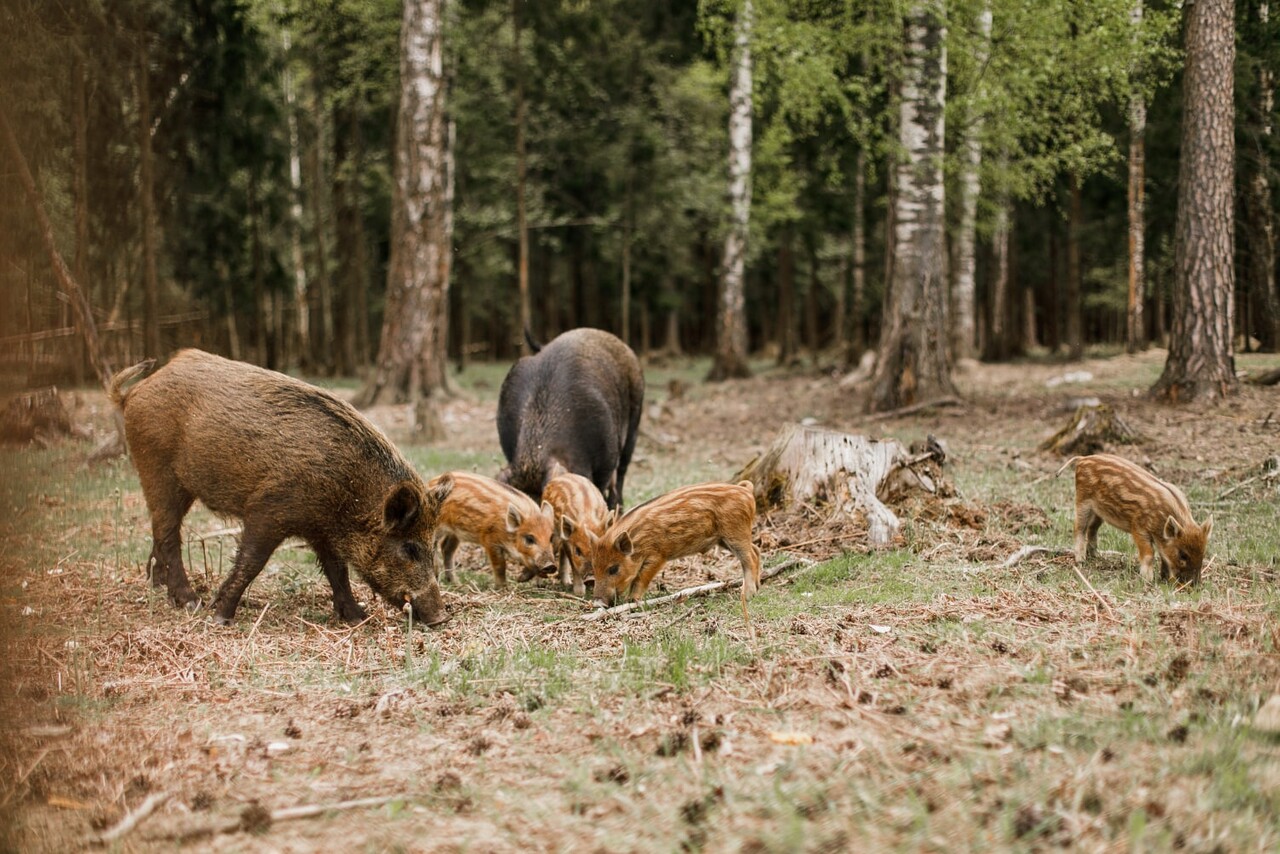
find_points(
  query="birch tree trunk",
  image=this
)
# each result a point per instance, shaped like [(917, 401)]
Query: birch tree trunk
[(964, 324), (913, 363), (1135, 331), (1201, 362), (858, 299), (302, 349), (731, 325), (1075, 299), (411, 362)]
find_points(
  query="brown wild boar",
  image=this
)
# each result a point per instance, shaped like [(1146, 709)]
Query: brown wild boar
[(288, 459), (575, 404), (503, 521), (1156, 514), (580, 514), (685, 521)]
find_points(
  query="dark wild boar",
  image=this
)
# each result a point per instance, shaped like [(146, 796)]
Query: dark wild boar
[(685, 521), (288, 459), (1156, 514), (580, 514), (576, 402), (503, 521)]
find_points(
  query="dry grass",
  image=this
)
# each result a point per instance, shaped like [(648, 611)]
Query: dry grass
[(921, 697)]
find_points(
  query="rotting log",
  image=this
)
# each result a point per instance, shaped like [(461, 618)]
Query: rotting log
[(847, 472), (1089, 431)]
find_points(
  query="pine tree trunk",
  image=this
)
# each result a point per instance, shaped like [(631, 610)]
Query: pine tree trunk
[(731, 325), (522, 224), (80, 261), (1075, 300), (1053, 330), (625, 332), (146, 208), (1201, 361), (811, 339), (325, 343), (913, 363), (1263, 247), (786, 298), (301, 306), (998, 337), (411, 363), (858, 298), (964, 326), (1135, 329)]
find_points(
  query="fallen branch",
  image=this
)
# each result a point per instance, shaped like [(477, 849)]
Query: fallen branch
[(1097, 595), (131, 820), (914, 408), (257, 819), (1027, 551), (691, 592)]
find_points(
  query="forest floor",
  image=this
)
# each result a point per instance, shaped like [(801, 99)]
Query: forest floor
[(921, 696)]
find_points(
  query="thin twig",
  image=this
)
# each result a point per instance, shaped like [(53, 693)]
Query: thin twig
[(1027, 551), (1097, 595), (915, 407), (131, 820), (690, 592), (233, 825)]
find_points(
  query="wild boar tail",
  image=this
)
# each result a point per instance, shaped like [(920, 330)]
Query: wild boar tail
[(1066, 465), (534, 346), (117, 391)]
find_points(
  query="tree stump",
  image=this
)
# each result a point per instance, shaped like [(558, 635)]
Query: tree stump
[(1089, 431), (848, 472)]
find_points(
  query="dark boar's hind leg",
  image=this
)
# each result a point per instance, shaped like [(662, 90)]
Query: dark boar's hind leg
[(257, 544), (448, 545), (344, 603), (169, 503)]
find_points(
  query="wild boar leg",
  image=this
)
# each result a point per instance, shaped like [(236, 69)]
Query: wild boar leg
[(335, 569), (645, 577), (567, 572), (499, 563), (749, 556), (256, 545), (1146, 556), (448, 545), (1087, 524), (169, 503)]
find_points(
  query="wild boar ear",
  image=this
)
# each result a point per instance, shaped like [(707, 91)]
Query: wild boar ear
[(1207, 527), (548, 510), (567, 526), (402, 507), (1171, 528), (625, 545), (513, 518)]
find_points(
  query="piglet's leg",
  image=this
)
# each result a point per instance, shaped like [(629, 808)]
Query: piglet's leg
[(1146, 556), (498, 561), (257, 544), (448, 545), (1087, 524), (645, 577)]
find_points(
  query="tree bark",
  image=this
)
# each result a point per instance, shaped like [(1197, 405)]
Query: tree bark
[(411, 364), (302, 347), (522, 224), (914, 363), (1263, 247), (66, 281), (731, 326), (1135, 330), (1075, 301), (1201, 362), (964, 325), (786, 297), (998, 337), (80, 121), (146, 207), (858, 297)]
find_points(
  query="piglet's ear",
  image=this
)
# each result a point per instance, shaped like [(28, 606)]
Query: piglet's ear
[(1171, 528), (625, 545), (438, 490), (548, 510), (567, 526), (513, 518), (402, 507), (1207, 527)]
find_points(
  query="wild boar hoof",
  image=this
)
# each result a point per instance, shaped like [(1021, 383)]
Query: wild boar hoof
[(219, 620)]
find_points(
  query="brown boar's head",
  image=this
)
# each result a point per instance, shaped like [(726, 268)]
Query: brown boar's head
[(530, 538), (1182, 548), (402, 568), (615, 565)]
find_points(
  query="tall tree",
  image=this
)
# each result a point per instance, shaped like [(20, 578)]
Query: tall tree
[(964, 320), (411, 357), (146, 206), (1201, 361), (1261, 211), (731, 325), (1135, 332), (522, 171), (914, 363)]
